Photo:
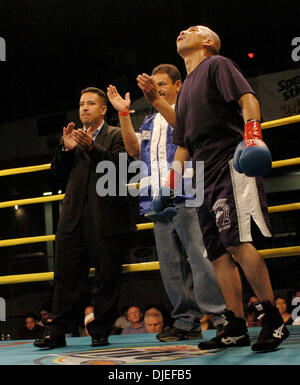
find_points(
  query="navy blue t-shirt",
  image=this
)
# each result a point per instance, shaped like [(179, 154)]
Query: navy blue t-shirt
[(209, 122)]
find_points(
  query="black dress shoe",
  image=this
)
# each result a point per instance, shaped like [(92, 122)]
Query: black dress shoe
[(50, 342), (100, 341)]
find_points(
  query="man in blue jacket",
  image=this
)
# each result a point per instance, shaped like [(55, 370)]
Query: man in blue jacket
[(188, 276)]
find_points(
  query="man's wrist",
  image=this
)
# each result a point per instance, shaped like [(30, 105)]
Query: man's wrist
[(252, 129), (156, 102), (124, 113)]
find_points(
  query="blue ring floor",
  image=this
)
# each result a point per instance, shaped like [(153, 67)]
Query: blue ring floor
[(145, 349)]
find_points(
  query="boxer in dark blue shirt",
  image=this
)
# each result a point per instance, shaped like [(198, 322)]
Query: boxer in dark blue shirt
[(218, 123)]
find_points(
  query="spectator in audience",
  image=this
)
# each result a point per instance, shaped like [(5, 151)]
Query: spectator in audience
[(160, 308), (154, 322), (44, 315), (282, 305), (251, 300), (31, 330), (153, 310), (157, 315), (121, 322), (135, 317), (251, 317)]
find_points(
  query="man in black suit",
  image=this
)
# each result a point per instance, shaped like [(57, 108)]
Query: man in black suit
[(93, 229)]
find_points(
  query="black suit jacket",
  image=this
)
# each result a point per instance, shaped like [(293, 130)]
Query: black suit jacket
[(110, 215)]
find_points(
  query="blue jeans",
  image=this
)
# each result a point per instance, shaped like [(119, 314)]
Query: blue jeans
[(188, 276)]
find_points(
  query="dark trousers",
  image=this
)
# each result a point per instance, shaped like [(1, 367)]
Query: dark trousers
[(76, 252)]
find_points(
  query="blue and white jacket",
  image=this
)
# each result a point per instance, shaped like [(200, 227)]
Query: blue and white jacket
[(157, 152)]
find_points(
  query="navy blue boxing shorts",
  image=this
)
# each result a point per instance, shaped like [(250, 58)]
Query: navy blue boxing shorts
[(229, 204)]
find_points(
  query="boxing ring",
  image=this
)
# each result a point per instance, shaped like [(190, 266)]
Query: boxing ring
[(143, 349)]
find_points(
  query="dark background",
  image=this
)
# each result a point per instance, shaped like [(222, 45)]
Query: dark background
[(56, 48)]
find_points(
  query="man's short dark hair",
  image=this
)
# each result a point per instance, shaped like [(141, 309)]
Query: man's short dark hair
[(31, 315), (96, 91), (168, 69)]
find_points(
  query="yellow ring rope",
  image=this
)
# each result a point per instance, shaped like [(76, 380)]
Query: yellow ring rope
[(137, 267), (139, 227), (286, 207), (281, 122), (23, 241), (265, 125), (29, 201), (22, 170), (143, 226), (285, 162)]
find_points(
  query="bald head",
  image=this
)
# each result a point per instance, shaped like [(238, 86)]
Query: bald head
[(213, 41), (195, 44), (198, 37)]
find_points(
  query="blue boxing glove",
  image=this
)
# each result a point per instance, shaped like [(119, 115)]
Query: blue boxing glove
[(163, 199), (163, 203), (252, 156), (164, 216)]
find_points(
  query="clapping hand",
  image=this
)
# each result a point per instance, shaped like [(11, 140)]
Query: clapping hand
[(148, 86), (73, 137), (68, 138), (83, 138), (117, 101)]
